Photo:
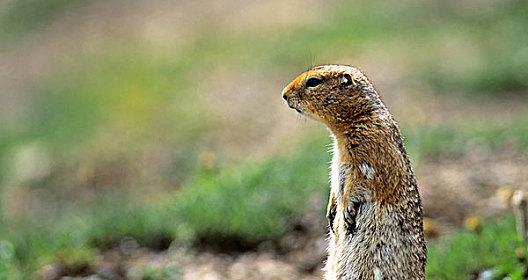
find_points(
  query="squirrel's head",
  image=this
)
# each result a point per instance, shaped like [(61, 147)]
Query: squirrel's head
[(332, 94)]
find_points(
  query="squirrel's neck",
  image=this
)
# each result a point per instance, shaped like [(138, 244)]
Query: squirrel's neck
[(372, 145)]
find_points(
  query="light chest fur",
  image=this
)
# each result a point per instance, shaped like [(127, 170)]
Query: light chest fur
[(334, 170)]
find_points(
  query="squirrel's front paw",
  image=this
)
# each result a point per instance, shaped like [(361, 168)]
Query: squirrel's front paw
[(330, 215), (350, 216)]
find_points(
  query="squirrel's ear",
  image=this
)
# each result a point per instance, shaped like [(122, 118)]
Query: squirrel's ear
[(347, 81)]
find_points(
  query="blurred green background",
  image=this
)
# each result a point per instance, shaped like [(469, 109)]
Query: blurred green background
[(148, 140)]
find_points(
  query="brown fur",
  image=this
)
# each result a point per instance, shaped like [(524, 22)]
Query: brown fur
[(374, 210)]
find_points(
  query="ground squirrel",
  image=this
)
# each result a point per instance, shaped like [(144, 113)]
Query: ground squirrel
[(375, 213)]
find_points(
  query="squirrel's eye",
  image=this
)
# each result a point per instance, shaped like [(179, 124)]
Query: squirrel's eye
[(313, 82), (347, 80)]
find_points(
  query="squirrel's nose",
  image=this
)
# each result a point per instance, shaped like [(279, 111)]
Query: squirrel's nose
[(285, 97)]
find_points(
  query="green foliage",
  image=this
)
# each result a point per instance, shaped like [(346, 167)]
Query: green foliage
[(21, 17), (8, 264), (457, 48), (496, 60), (252, 201), (160, 273), (128, 89), (115, 100), (461, 254), (474, 49), (109, 106), (37, 245), (428, 142), (74, 238), (256, 200)]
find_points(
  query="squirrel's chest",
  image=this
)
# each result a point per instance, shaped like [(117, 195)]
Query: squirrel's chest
[(344, 175), (336, 178), (350, 195)]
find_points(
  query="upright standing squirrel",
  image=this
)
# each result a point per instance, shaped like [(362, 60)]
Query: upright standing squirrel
[(374, 212)]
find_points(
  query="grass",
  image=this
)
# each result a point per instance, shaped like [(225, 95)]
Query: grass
[(8, 262), (106, 102), (426, 142), (452, 257), (23, 17), (160, 273), (120, 101), (494, 248), (482, 64), (125, 86), (107, 111), (254, 201), (491, 64), (490, 40)]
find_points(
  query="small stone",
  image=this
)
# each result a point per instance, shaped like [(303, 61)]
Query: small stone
[(504, 194), (430, 227), (473, 223)]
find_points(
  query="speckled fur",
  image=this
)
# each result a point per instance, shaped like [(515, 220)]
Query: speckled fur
[(374, 209)]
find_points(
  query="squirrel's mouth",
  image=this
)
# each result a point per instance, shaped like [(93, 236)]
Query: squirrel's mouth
[(296, 108)]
